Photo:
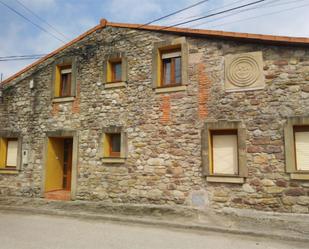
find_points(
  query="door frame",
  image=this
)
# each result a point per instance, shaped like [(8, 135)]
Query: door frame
[(61, 134)]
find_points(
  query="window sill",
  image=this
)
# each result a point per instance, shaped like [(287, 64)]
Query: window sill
[(63, 99), (226, 179), (113, 160), (118, 84), (9, 171), (300, 176), (170, 89)]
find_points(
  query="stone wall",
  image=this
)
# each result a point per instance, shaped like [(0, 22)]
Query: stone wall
[(164, 130)]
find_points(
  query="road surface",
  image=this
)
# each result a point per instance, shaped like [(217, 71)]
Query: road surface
[(26, 231)]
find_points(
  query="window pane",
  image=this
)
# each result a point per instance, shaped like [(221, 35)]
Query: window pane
[(167, 71), (117, 71), (178, 70), (225, 159), (65, 84), (11, 159), (302, 150), (115, 142)]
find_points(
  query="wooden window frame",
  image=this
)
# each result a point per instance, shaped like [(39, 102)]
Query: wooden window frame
[(113, 64), (111, 152), (224, 127), (296, 123), (160, 48), (172, 70), (6, 158), (299, 128), (106, 153), (6, 136), (69, 87), (62, 64), (211, 162)]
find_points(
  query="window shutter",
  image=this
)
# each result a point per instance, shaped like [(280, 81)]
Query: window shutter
[(12, 154), (225, 155), (302, 150)]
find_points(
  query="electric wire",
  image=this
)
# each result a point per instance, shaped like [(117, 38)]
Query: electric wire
[(42, 20), (33, 23)]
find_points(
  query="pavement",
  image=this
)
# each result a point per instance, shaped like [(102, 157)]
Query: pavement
[(33, 231), (279, 227)]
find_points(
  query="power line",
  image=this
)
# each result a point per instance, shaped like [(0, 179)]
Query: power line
[(214, 14), (241, 11), (254, 17), (17, 56), (235, 13), (41, 19), (174, 13), (209, 11), (33, 23)]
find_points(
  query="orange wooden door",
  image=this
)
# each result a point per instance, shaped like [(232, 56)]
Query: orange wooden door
[(67, 164)]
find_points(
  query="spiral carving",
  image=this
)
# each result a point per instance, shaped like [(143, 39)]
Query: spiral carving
[(243, 71)]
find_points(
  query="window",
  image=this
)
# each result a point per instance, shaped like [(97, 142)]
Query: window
[(296, 141), (116, 71), (9, 153), (224, 151), (64, 78), (114, 145), (65, 82), (171, 63), (11, 156), (301, 138)]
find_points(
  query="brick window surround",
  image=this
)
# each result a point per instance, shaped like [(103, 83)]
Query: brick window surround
[(109, 149), (109, 75), (5, 138), (159, 65), (222, 127), (293, 125), (64, 64)]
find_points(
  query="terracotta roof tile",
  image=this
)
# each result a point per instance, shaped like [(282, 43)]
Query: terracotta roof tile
[(282, 40)]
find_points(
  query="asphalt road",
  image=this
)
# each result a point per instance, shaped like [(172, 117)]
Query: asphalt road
[(25, 231)]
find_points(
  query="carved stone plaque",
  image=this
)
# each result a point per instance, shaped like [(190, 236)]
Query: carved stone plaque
[(244, 71)]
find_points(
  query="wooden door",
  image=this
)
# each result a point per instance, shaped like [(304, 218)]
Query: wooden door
[(67, 163)]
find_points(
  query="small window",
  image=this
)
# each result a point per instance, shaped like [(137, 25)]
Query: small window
[(64, 78), (224, 152), (171, 68), (112, 145), (301, 140), (116, 71), (11, 156), (65, 81), (9, 151)]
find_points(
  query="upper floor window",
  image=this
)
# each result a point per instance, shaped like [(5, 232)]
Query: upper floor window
[(65, 81), (64, 78), (170, 65), (116, 70), (114, 73), (171, 68)]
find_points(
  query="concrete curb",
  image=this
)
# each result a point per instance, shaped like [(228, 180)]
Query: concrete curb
[(154, 222)]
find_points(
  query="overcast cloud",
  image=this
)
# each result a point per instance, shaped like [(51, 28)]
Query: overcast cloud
[(73, 17)]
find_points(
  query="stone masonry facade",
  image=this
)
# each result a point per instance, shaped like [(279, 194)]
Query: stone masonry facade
[(164, 130)]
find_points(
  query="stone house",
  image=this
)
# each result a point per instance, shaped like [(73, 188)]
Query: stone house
[(148, 114)]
